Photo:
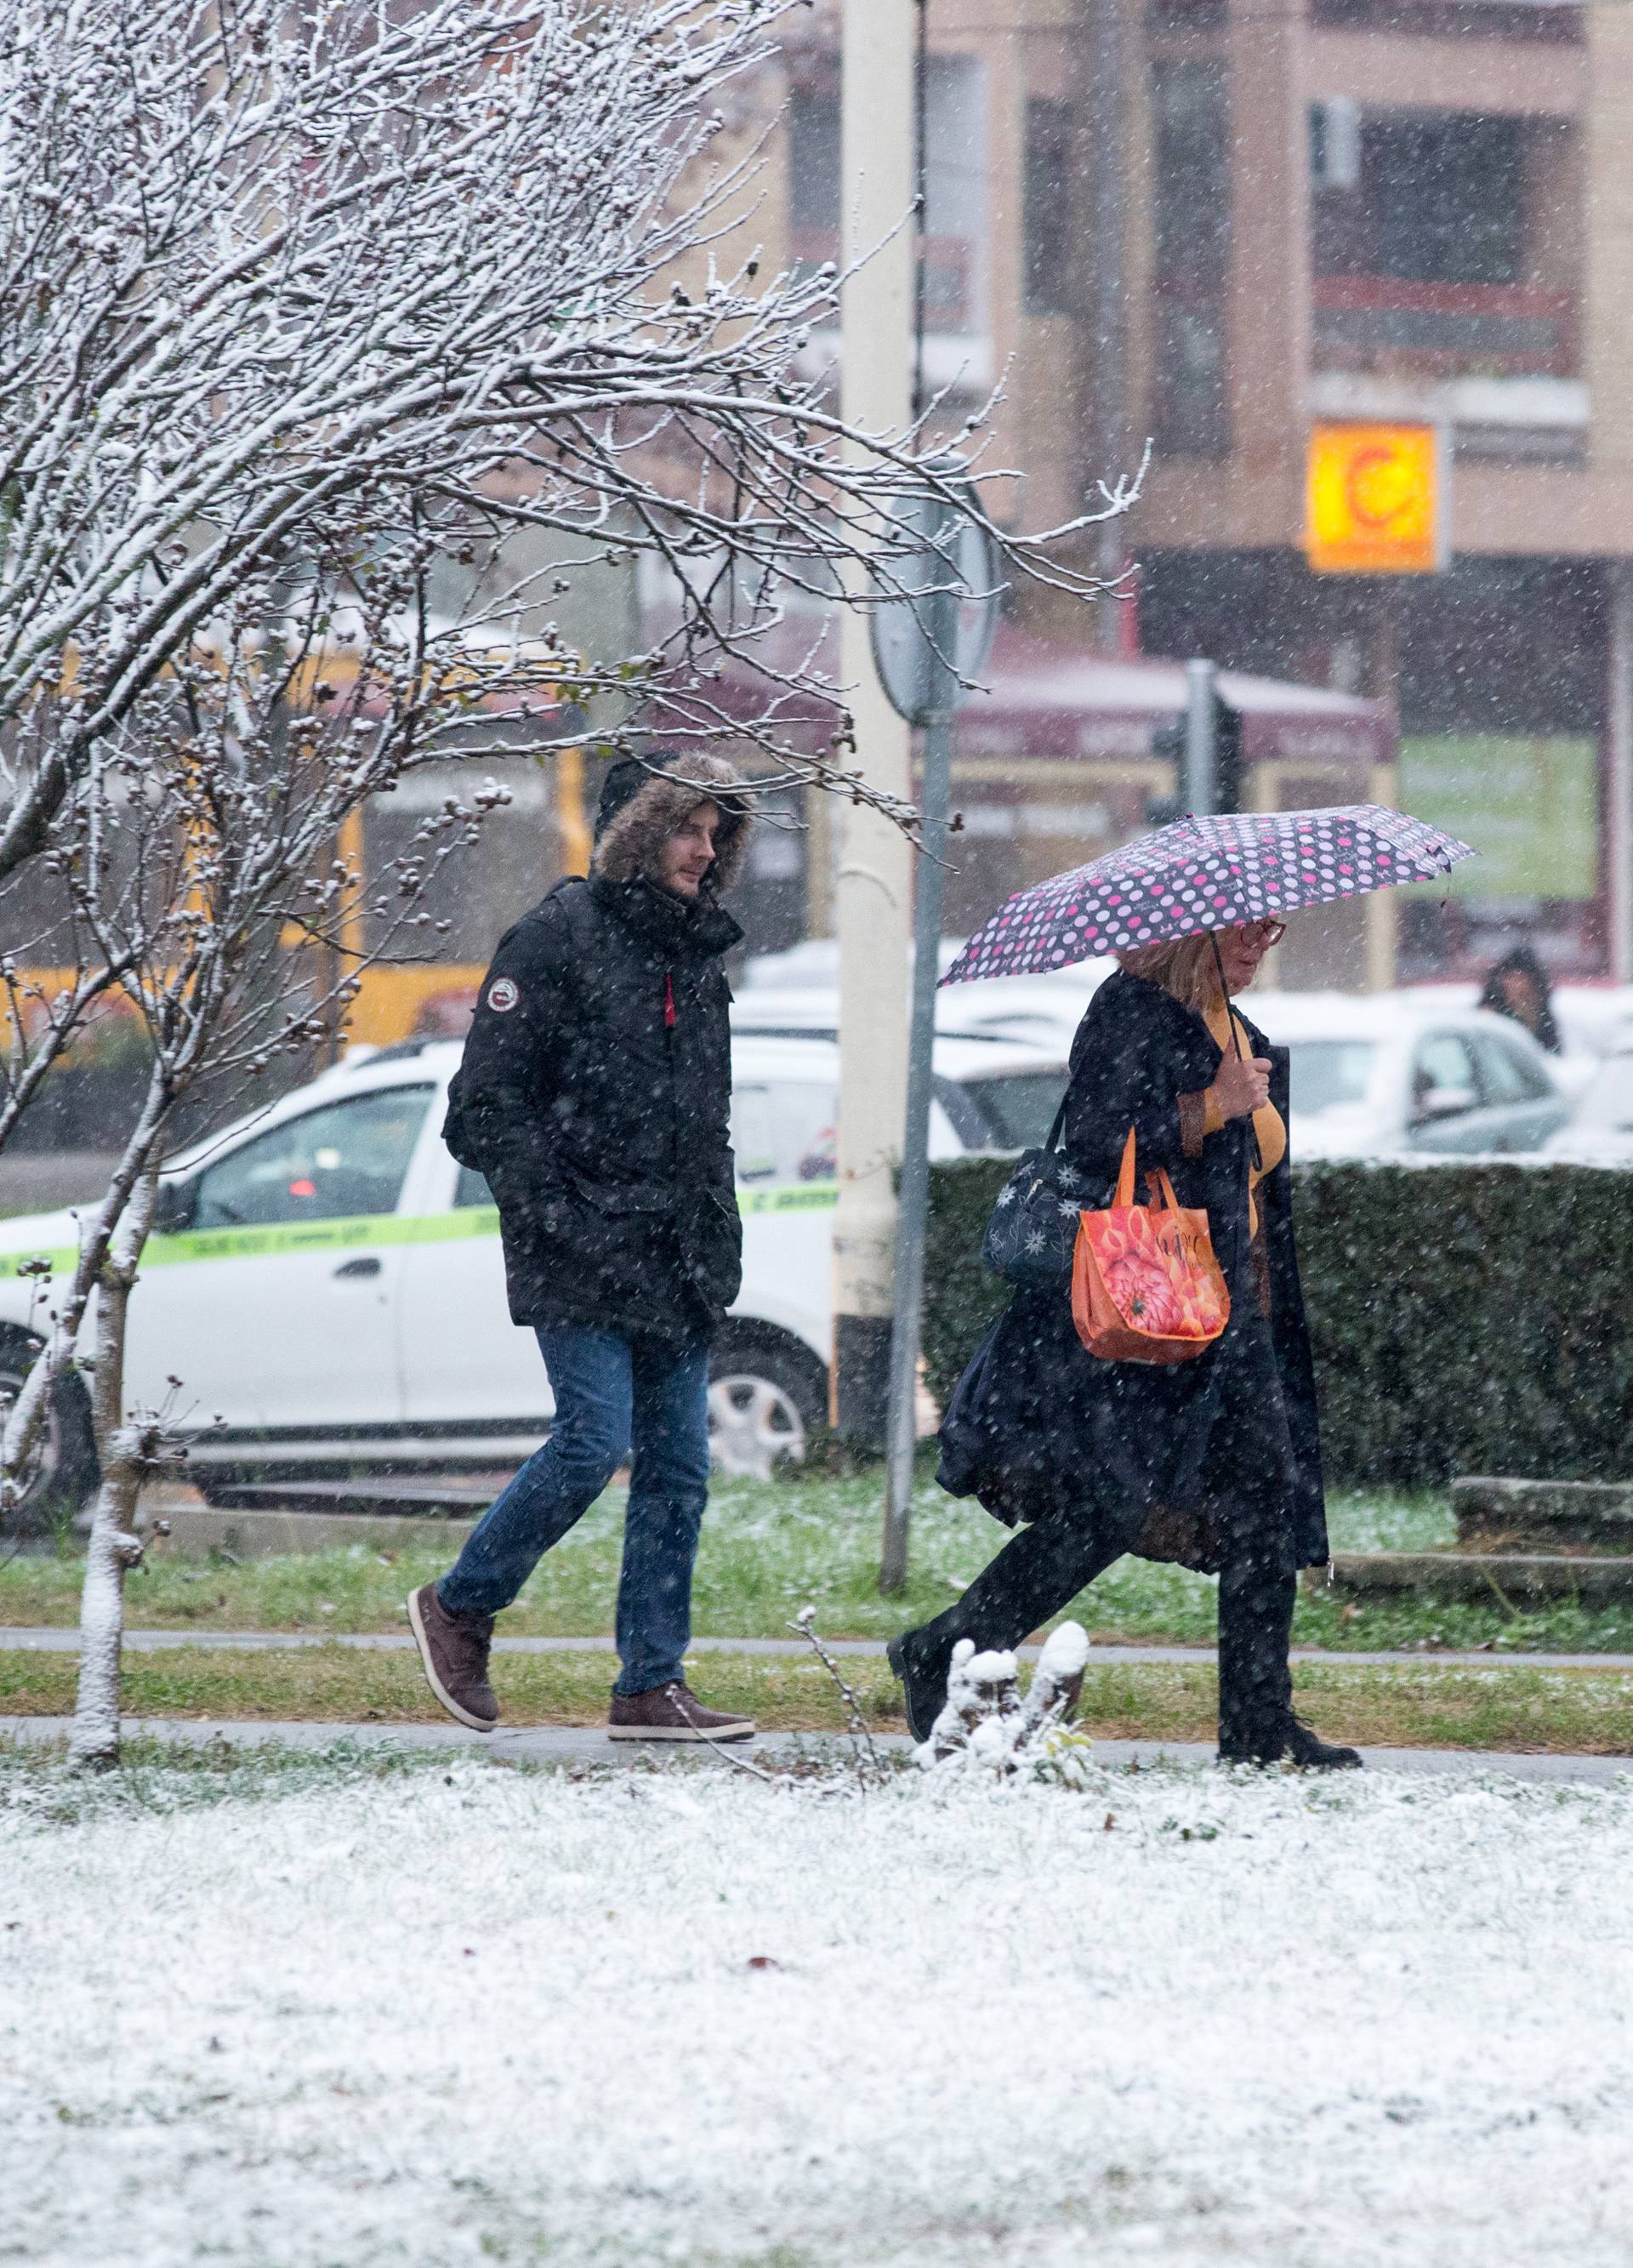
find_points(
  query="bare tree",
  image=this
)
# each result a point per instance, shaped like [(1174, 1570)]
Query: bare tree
[(196, 844), (265, 272)]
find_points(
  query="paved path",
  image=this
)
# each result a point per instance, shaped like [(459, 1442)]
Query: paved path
[(159, 1641), (572, 1744)]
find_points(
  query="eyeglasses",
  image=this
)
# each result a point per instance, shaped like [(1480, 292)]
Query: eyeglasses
[(1266, 932)]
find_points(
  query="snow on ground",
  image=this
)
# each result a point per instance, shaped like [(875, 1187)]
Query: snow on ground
[(474, 2015)]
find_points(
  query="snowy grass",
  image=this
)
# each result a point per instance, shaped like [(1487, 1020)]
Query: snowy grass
[(769, 1550), (463, 2013)]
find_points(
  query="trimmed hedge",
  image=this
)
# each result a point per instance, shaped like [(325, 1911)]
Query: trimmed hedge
[(1466, 1318)]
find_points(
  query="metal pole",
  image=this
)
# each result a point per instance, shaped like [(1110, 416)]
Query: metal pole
[(1108, 232), (875, 881), (941, 613), (1201, 770)]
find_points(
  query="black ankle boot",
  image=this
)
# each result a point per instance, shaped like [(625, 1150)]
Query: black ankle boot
[(1311, 1753), (923, 1682), (1290, 1742)]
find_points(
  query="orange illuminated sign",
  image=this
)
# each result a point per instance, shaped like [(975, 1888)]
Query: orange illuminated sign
[(1376, 500)]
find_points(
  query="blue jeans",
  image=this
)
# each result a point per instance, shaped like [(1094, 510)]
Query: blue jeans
[(612, 1395)]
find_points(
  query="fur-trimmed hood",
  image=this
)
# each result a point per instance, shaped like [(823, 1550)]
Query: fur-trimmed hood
[(643, 801)]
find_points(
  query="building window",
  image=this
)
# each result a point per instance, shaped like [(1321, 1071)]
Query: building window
[(813, 177), (1436, 244), (1439, 199), (813, 191), (955, 186), (955, 194), (1450, 198), (1192, 231), (1049, 172)]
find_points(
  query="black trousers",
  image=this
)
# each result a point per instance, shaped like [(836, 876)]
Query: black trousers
[(1047, 1564)]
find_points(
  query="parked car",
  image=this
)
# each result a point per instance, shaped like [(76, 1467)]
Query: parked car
[(1370, 1073), (1390, 1073), (1600, 1128), (330, 1290), (1041, 1011), (798, 991)]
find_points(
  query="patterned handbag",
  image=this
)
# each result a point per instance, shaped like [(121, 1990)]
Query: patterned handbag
[(1145, 1285), (1033, 1226)]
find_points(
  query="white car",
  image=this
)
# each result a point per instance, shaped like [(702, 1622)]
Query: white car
[(1393, 1073), (1601, 1131), (1371, 1074), (330, 1292), (798, 991)]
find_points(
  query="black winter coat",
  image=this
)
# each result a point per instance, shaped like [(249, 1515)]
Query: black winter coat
[(1039, 1427), (595, 1095)]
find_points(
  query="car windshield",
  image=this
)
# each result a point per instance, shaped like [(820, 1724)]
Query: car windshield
[(1018, 1106), (1326, 1074), (1608, 1103)]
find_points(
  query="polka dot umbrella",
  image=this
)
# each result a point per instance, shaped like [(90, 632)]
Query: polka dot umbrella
[(1206, 873)]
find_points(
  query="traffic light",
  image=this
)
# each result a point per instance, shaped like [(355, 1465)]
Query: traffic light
[(1227, 756), (1169, 746)]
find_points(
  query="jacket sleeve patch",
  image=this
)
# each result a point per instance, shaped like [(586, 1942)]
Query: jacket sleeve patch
[(503, 995)]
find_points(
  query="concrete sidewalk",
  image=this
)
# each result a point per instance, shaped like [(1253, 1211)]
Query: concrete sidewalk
[(572, 1744), (56, 1640)]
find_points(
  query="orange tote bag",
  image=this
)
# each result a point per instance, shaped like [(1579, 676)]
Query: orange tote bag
[(1145, 1285)]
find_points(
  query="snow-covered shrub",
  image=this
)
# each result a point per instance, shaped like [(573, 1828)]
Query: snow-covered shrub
[(987, 1725)]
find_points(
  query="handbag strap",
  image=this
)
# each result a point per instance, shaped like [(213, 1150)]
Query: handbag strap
[(1125, 1175), (1058, 1128)]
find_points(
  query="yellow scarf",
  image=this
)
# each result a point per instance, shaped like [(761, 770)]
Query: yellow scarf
[(1267, 1120)]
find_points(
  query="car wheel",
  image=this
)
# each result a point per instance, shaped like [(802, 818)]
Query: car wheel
[(61, 1472), (765, 1402)]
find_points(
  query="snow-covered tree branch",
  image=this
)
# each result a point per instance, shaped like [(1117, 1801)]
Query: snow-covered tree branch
[(266, 275), (195, 856)]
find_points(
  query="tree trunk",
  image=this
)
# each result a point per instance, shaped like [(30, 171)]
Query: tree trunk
[(127, 1451), (101, 1245)]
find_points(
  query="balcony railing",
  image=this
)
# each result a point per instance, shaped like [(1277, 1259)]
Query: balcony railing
[(1463, 330), (949, 273)]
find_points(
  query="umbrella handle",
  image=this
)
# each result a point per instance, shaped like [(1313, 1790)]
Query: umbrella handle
[(1229, 1025)]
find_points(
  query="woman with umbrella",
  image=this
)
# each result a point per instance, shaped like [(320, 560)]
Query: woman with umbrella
[(1214, 1461)]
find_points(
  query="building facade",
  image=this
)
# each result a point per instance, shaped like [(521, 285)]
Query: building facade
[(1216, 224)]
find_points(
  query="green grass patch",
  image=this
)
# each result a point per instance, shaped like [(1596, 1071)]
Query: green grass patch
[(1419, 1706), (770, 1548)]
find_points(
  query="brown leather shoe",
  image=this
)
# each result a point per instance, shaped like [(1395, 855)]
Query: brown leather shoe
[(454, 1650), (672, 1712)]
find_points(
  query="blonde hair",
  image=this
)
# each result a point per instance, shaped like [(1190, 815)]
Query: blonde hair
[(1183, 966)]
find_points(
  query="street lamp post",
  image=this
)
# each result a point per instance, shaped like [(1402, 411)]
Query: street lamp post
[(873, 883)]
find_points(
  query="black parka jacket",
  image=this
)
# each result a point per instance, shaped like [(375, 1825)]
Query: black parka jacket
[(595, 1096), (1039, 1427)]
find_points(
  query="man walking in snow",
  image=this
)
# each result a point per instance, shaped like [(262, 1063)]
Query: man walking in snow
[(595, 1096)]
